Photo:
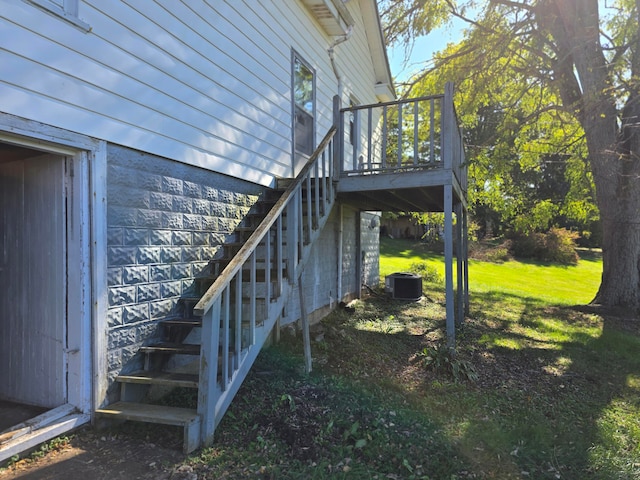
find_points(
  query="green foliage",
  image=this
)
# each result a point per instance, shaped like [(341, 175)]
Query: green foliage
[(558, 245), (528, 162), (445, 362), (538, 218), (498, 255), (428, 272)]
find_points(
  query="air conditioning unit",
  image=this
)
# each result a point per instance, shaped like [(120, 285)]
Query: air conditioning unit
[(403, 286)]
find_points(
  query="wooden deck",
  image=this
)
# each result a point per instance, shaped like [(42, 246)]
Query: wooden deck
[(409, 190), (414, 150), (412, 160)]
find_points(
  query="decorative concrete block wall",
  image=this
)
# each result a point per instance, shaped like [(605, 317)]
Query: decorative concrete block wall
[(370, 237), (165, 220), (320, 276)]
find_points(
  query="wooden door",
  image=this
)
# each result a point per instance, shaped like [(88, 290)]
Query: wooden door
[(33, 281)]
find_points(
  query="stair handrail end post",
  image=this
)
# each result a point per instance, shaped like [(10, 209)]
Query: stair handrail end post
[(208, 388)]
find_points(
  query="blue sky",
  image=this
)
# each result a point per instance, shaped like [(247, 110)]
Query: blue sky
[(423, 49), (426, 46)]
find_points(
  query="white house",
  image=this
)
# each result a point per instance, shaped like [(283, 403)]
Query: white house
[(142, 143)]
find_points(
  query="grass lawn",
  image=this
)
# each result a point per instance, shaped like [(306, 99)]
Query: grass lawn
[(557, 394), (556, 284)]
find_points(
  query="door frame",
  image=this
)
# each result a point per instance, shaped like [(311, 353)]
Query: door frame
[(87, 301)]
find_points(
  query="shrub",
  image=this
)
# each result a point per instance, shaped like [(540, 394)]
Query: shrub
[(558, 245), (561, 246), (488, 252), (426, 271), (497, 255)]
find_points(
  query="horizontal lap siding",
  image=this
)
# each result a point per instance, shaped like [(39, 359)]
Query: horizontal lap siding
[(178, 81), (202, 82)]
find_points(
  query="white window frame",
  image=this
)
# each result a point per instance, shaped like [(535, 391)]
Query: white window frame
[(295, 56), (67, 10)]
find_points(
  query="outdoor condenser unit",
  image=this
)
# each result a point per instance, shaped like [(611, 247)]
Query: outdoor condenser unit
[(403, 286)]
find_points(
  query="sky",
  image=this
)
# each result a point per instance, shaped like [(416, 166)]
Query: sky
[(423, 50), (437, 40)]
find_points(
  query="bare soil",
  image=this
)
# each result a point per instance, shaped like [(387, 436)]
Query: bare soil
[(95, 455)]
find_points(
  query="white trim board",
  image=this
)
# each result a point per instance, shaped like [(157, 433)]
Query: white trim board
[(86, 349)]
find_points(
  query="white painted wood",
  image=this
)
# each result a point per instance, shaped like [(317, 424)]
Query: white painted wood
[(35, 423), (96, 386), (33, 277), (42, 435), (448, 267), (79, 295), (208, 392), (306, 337), (205, 83)]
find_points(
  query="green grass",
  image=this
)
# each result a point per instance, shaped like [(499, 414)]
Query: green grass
[(557, 394), (556, 284)]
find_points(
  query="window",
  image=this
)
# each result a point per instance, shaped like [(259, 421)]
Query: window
[(66, 9), (304, 106)]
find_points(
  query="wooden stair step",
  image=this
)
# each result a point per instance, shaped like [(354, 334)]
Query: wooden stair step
[(172, 348), (182, 322), (142, 412), (184, 380)]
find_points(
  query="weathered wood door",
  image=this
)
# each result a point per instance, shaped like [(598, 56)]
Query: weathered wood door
[(33, 281)]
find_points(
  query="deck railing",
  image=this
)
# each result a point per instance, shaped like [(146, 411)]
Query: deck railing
[(404, 135), (244, 302)]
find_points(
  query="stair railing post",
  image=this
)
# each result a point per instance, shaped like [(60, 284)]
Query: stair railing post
[(207, 387), (292, 240), (306, 336), (449, 127), (338, 143)]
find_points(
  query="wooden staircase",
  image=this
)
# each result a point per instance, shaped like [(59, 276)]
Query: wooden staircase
[(236, 304)]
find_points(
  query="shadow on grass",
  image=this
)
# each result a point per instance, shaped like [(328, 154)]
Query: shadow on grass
[(558, 375), (558, 396)]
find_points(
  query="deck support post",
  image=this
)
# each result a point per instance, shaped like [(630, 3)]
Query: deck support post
[(465, 252), (358, 258), (448, 266), (459, 264)]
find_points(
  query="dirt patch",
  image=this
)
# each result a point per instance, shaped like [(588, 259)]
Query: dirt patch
[(93, 455)]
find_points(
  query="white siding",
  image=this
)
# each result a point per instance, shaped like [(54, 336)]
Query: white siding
[(202, 82)]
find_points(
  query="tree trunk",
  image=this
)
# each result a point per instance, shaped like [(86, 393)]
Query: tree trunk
[(617, 182), (613, 140)]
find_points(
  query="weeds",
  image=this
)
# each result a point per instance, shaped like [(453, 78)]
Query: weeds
[(445, 362)]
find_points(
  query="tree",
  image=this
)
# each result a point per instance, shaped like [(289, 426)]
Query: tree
[(585, 72)]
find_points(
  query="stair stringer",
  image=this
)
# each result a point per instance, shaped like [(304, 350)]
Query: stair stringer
[(312, 194)]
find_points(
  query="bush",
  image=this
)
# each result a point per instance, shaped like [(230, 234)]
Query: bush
[(426, 271), (488, 252), (558, 245), (561, 246), (498, 255)]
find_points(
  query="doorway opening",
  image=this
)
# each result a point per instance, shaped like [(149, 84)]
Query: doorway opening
[(42, 329)]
